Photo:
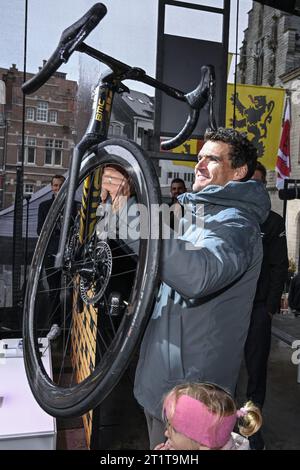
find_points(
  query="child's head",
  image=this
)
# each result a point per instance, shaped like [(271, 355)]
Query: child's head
[(202, 416)]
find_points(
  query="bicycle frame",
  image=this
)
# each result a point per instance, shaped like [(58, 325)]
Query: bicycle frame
[(97, 130)]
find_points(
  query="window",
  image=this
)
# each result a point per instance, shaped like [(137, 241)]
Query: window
[(28, 188), (53, 116), (117, 130), (30, 114), (53, 152), (259, 58), (140, 132), (42, 111), (29, 150)]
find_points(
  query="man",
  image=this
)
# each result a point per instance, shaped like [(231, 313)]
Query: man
[(56, 183), (53, 278), (274, 270), (201, 316), (177, 187)]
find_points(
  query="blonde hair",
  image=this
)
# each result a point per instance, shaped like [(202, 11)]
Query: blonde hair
[(218, 402)]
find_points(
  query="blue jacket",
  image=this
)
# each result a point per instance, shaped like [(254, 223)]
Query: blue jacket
[(200, 320)]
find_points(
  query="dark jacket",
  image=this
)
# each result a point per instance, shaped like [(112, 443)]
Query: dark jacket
[(44, 208), (189, 339), (274, 268), (294, 293)]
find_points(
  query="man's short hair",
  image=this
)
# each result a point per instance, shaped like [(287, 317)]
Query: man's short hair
[(242, 151), (58, 177), (178, 180), (260, 167)]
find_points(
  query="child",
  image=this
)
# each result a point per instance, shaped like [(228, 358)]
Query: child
[(201, 416)]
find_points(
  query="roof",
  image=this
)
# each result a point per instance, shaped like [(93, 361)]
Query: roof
[(140, 104)]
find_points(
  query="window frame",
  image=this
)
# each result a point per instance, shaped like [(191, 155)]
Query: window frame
[(40, 110), (54, 147), (27, 145)]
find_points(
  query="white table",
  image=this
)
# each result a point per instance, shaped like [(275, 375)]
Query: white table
[(23, 423)]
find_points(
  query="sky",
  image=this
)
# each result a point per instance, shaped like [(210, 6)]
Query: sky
[(127, 32)]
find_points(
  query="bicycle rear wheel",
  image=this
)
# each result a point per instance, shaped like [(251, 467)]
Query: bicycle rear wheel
[(104, 292)]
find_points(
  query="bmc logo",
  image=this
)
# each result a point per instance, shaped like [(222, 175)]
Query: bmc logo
[(296, 354)]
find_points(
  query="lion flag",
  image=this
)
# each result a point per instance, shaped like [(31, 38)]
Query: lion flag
[(258, 113)]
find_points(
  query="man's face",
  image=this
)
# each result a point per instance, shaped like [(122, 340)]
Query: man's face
[(56, 185), (214, 166), (177, 189)]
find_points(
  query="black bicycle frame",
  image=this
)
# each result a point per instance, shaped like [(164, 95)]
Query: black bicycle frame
[(97, 130)]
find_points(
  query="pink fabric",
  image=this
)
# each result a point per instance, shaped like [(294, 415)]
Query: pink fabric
[(241, 412), (193, 419)]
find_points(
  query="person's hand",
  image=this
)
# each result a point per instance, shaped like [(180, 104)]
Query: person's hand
[(115, 184), (164, 446)]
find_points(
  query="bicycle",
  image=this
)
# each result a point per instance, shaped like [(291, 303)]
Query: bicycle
[(107, 288)]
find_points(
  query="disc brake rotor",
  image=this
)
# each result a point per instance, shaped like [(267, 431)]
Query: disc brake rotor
[(95, 277)]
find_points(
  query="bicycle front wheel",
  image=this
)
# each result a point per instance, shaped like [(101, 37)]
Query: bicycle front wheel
[(102, 296)]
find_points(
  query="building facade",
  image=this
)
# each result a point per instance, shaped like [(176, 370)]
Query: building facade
[(271, 46), (49, 131), (270, 56)]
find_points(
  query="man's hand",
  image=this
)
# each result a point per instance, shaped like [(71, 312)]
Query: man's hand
[(115, 184)]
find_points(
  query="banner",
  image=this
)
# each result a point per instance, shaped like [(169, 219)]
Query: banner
[(258, 113)]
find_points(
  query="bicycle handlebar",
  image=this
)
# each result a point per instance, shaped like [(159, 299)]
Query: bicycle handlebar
[(70, 39), (196, 99)]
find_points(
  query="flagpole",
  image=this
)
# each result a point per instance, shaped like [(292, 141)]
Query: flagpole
[(236, 59), (286, 181)]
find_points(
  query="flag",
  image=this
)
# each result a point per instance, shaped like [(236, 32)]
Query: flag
[(283, 164), (258, 112)]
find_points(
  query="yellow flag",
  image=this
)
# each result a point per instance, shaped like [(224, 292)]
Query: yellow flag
[(259, 114), (229, 60)]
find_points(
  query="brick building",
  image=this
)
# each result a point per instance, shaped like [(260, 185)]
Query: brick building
[(49, 131), (271, 46)]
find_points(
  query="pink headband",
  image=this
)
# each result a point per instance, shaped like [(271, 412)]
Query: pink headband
[(193, 419)]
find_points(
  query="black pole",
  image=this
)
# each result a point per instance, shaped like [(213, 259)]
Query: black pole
[(236, 59), (27, 197), (285, 186), (18, 252), (17, 240)]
